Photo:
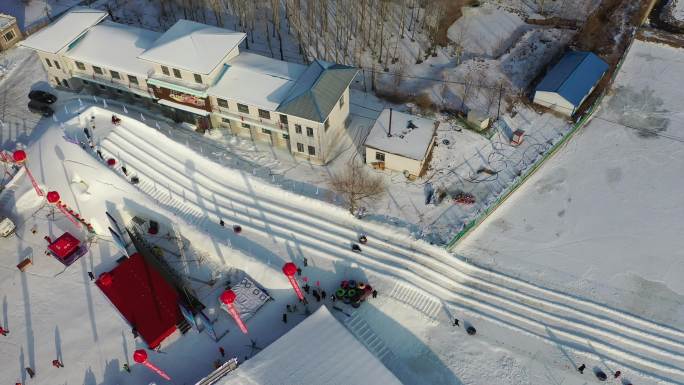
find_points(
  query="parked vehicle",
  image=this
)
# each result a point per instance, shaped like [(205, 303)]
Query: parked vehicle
[(6, 227), (40, 108), (42, 96)]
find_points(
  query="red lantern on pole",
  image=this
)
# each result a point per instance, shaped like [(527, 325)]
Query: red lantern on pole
[(140, 356), (19, 156), (227, 298), (290, 269), (54, 199)]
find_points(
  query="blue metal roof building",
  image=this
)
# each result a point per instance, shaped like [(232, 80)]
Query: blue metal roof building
[(570, 81)]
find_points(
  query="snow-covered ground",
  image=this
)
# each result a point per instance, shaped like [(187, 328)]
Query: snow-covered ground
[(30, 12), (602, 219)]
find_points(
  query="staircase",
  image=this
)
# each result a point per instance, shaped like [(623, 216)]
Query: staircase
[(367, 336), (424, 303)]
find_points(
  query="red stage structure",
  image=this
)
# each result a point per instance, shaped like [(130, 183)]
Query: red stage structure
[(19, 157), (290, 269), (143, 297), (227, 298), (140, 356), (66, 249)]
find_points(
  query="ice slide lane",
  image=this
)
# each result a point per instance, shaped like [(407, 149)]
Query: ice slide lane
[(445, 257), (287, 230)]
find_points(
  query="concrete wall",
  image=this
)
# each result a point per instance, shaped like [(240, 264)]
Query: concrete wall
[(395, 162), (17, 36), (107, 75), (189, 77), (554, 101), (54, 73)]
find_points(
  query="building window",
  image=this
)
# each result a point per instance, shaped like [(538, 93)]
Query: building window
[(245, 125), (266, 131), (115, 75), (326, 125), (283, 119), (222, 102), (243, 108), (9, 36), (48, 62), (300, 147), (298, 128), (342, 101), (65, 83), (312, 150), (57, 65), (133, 79), (97, 70), (198, 78), (165, 70), (264, 114), (379, 156), (80, 66), (177, 73), (286, 136), (224, 120), (309, 131)]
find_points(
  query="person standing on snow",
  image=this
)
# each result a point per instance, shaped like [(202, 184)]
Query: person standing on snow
[(223, 352), (617, 374), (456, 322), (57, 364), (284, 318), (127, 368), (581, 368), (4, 331)]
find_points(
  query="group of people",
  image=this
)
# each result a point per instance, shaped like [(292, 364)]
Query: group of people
[(601, 375)]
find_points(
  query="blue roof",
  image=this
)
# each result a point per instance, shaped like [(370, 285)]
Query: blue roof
[(574, 76)]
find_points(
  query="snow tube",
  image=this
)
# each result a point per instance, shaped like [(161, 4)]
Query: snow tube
[(340, 293), (351, 293), (471, 330), (237, 228), (344, 284), (352, 283), (360, 285), (600, 375)]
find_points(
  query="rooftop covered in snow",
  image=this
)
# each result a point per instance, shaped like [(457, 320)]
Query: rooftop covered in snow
[(6, 21), (317, 351), (410, 135), (124, 43), (317, 90), (193, 47), (65, 30), (257, 80)]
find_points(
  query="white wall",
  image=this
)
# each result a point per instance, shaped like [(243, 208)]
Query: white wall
[(395, 162), (52, 71), (106, 75), (554, 101)]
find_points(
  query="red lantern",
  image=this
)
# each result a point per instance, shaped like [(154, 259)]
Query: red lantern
[(19, 156), (290, 269), (106, 279), (53, 197), (140, 356), (227, 298)]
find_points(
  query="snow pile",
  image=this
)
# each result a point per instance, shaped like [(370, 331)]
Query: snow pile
[(486, 31)]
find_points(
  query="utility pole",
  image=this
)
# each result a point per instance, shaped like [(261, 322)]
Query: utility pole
[(498, 110)]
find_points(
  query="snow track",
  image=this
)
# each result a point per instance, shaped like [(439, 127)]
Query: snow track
[(201, 192)]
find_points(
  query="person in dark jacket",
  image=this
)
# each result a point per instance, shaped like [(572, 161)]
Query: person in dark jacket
[(581, 368)]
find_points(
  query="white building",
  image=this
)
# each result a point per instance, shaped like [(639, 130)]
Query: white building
[(195, 73), (570, 81), (400, 142), (317, 351)]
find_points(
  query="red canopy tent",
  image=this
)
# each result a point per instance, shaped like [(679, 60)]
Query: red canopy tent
[(66, 248), (145, 299)]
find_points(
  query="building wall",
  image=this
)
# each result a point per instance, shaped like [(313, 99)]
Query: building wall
[(189, 77), (54, 73), (106, 76), (554, 101), (337, 129), (4, 44), (395, 162)]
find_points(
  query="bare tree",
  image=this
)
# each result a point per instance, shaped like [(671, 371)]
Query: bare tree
[(357, 186)]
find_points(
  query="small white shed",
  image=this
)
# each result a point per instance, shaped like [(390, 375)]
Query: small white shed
[(400, 142)]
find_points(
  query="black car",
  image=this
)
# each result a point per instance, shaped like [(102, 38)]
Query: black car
[(42, 96), (39, 108)]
